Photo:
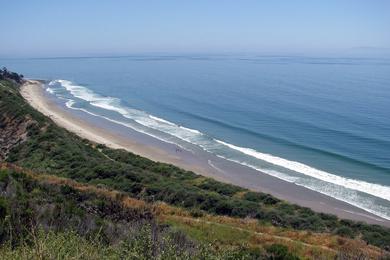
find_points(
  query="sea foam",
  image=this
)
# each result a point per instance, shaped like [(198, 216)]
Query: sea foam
[(350, 196), (161, 120), (369, 188), (71, 102), (50, 90)]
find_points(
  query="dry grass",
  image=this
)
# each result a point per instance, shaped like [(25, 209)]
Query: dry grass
[(211, 227)]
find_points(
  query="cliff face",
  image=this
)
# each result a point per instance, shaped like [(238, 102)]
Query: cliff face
[(14, 121), (13, 131)]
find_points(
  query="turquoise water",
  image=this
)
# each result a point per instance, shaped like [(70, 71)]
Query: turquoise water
[(322, 123)]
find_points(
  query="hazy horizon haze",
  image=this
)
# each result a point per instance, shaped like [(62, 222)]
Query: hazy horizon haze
[(90, 28)]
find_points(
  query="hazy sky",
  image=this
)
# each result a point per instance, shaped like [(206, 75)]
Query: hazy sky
[(86, 27)]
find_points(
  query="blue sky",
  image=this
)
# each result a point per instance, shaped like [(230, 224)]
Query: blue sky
[(71, 28)]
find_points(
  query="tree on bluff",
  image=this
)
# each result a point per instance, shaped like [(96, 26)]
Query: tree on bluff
[(6, 74)]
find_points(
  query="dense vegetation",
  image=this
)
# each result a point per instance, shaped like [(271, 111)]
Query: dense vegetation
[(37, 218), (53, 150), (6, 74)]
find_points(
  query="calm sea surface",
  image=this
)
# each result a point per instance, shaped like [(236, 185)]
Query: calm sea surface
[(322, 123)]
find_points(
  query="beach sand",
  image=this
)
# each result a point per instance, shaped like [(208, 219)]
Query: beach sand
[(120, 137)]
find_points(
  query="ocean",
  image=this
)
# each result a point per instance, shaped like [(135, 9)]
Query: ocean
[(321, 123)]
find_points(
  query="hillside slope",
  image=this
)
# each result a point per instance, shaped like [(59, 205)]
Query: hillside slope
[(204, 209), (47, 205)]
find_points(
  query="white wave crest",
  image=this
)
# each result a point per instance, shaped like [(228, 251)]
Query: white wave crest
[(70, 103), (191, 130), (346, 195), (141, 117), (126, 125), (366, 187), (50, 90), (109, 104), (161, 120), (81, 92)]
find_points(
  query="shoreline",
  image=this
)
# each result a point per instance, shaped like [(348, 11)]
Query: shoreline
[(119, 137)]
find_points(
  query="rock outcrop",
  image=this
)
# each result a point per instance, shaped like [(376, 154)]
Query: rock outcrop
[(13, 131)]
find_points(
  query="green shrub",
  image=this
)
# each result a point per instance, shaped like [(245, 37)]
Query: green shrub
[(345, 232), (3, 175), (280, 252), (196, 213)]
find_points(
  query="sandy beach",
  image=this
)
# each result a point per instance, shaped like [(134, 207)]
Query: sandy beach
[(119, 137)]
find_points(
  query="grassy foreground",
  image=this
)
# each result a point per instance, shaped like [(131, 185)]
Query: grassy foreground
[(40, 211), (47, 217)]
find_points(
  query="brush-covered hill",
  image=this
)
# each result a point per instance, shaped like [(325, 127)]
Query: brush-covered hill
[(66, 197)]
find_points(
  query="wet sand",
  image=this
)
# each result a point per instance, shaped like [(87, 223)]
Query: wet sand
[(117, 136)]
